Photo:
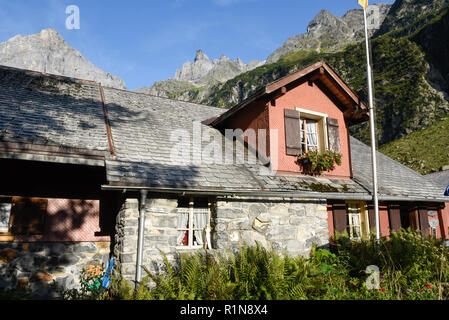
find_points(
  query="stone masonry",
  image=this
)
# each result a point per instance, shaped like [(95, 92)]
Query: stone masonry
[(287, 225), (46, 266)]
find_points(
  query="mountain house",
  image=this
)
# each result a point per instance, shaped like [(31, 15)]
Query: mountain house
[(91, 172)]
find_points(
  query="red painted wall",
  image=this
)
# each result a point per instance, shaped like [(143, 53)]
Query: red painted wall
[(253, 116), (442, 230), (69, 220), (310, 98)]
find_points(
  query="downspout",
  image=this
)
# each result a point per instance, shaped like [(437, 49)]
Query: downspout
[(140, 237)]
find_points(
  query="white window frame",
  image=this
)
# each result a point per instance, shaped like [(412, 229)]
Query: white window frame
[(321, 119), (363, 218), (191, 210), (7, 207)]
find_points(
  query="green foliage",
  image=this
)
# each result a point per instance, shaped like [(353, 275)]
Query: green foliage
[(411, 268), (315, 162)]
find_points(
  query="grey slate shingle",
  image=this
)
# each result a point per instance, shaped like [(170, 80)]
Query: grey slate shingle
[(52, 110), (393, 177)]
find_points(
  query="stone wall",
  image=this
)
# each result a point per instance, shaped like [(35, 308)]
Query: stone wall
[(42, 265), (292, 226), (160, 234)]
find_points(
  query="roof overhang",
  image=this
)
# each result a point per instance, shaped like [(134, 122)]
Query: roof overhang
[(321, 74), (55, 154), (279, 194)]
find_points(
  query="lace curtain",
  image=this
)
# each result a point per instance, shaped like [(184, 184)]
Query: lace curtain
[(183, 219), (199, 221), (312, 135)]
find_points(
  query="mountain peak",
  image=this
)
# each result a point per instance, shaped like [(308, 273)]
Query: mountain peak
[(200, 55), (48, 52), (50, 34), (329, 32)]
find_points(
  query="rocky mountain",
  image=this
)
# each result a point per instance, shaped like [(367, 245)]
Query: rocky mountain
[(330, 33), (48, 52), (196, 80), (406, 16), (202, 72), (410, 65)]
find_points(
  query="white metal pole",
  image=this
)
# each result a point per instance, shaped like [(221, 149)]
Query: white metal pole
[(372, 129)]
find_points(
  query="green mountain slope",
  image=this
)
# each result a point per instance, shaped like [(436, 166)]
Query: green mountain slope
[(425, 150), (410, 55), (402, 94)]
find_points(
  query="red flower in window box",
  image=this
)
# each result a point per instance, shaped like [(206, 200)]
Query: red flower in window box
[(314, 162)]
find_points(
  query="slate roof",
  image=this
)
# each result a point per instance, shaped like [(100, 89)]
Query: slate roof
[(50, 111), (65, 112), (441, 178), (394, 179)]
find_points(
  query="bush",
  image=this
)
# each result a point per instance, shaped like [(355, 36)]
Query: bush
[(410, 267)]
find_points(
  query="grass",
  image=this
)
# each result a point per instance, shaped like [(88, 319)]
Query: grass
[(424, 150)]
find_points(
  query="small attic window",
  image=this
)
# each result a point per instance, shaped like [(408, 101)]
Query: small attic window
[(307, 130), (312, 128)]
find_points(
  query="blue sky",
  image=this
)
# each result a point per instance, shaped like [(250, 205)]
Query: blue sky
[(146, 41)]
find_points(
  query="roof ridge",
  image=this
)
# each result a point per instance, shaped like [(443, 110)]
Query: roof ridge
[(93, 82), (166, 98), (50, 75)]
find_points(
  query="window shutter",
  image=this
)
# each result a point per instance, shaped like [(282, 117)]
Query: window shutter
[(292, 132), (28, 215), (333, 135), (340, 219), (423, 222), (371, 218), (394, 213)]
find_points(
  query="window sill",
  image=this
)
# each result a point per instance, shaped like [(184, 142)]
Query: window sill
[(186, 248), (6, 238)]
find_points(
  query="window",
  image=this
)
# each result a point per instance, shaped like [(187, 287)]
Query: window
[(5, 216), (193, 222), (21, 216), (307, 130), (357, 220), (309, 134)]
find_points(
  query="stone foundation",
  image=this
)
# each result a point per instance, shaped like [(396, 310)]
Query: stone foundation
[(42, 265)]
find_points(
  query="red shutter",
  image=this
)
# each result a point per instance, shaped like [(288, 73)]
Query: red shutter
[(333, 136), (394, 213), (292, 132), (423, 222), (371, 218), (340, 218)]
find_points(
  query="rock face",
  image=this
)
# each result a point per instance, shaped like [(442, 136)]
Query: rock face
[(329, 32), (204, 71), (48, 52), (405, 13), (194, 80)]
